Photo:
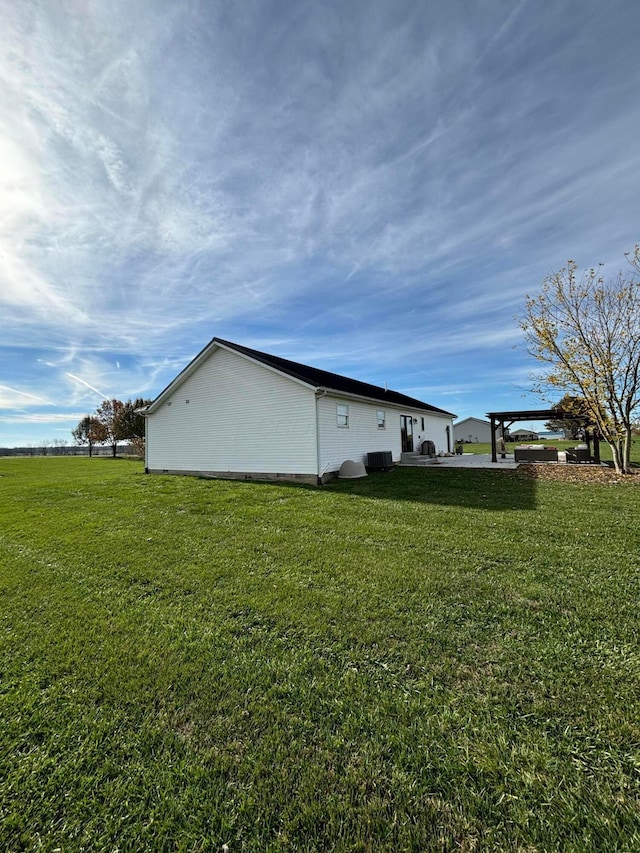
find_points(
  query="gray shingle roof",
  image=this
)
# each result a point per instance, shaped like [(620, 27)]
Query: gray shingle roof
[(332, 381)]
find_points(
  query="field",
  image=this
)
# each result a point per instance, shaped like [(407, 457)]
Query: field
[(428, 660)]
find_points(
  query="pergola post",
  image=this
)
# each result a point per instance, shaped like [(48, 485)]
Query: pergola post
[(494, 449)]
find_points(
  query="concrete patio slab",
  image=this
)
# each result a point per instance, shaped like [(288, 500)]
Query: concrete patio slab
[(466, 460)]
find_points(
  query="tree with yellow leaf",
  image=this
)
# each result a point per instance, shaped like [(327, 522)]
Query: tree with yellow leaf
[(585, 329)]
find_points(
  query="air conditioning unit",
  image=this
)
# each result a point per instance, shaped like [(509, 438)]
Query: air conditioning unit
[(381, 460)]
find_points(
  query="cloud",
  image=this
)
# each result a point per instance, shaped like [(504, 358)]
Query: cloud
[(43, 419), (13, 397), (300, 144), (100, 394), (353, 185)]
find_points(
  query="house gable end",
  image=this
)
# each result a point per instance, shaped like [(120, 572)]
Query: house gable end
[(233, 415), (201, 358)]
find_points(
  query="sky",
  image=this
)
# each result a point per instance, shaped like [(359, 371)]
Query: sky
[(370, 187)]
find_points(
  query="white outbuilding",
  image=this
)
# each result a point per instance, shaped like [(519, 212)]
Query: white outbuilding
[(237, 412), (473, 431)]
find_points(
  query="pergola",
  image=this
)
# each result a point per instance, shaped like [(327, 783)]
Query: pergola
[(505, 419)]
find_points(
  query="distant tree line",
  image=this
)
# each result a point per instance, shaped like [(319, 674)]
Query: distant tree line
[(59, 447), (112, 422)]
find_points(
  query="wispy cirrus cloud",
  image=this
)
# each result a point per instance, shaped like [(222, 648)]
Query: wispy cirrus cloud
[(100, 394), (363, 186), (40, 418), (15, 398)]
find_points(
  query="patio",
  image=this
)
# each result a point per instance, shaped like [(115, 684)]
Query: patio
[(466, 460), (483, 460)]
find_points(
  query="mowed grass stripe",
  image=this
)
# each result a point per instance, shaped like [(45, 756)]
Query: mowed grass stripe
[(426, 660)]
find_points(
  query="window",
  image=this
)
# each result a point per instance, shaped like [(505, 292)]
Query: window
[(422, 419), (342, 415), (382, 421)]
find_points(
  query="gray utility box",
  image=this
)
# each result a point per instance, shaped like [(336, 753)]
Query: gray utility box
[(381, 460)]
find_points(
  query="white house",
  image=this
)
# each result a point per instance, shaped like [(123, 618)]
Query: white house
[(237, 412), (474, 431)]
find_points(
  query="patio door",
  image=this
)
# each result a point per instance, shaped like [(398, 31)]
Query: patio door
[(406, 433)]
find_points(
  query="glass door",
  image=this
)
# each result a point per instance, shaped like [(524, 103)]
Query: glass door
[(406, 433)]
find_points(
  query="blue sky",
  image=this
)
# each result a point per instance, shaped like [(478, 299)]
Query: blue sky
[(369, 187)]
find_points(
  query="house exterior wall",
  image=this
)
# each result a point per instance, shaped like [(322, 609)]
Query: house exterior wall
[(435, 430), (241, 417), (362, 435)]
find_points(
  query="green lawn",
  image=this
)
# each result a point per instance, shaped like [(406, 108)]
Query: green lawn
[(428, 660)]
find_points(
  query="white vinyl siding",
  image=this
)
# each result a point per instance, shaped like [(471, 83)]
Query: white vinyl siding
[(363, 435), (435, 430), (240, 417)]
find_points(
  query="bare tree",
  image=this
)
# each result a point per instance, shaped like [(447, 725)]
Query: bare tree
[(586, 331)]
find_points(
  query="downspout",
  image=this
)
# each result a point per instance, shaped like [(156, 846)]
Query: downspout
[(320, 393), (146, 443)]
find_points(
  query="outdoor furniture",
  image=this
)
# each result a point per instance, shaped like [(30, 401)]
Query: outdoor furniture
[(536, 453), (580, 453)]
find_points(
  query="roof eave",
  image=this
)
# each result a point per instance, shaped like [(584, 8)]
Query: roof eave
[(335, 392)]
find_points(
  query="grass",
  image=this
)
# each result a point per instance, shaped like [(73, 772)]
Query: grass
[(425, 660)]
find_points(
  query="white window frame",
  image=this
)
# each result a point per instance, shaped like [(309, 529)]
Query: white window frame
[(342, 415), (382, 422)]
